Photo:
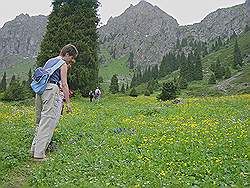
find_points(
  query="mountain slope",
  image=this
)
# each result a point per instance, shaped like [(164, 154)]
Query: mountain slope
[(143, 29), (22, 35), (150, 33)]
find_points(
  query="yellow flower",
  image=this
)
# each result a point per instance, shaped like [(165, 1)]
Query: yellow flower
[(162, 173)]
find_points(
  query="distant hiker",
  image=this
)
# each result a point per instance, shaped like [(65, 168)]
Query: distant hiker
[(91, 95), (97, 93), (49, 103)]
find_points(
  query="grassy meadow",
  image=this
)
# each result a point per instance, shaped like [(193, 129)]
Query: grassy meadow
[(132, 142)]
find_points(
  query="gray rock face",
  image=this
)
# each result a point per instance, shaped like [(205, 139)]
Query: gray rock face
[(143, 29), (222, 22), (248, 12), (22, 35)]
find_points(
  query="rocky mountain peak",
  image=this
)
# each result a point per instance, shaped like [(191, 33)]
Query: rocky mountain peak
[(143, 29), (22, 35)]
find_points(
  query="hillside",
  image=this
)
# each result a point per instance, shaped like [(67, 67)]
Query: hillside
[(154, 33), (225, 54)]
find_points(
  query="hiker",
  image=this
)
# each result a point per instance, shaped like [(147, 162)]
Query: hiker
[(97, 94), (91, 95), (49, 103)]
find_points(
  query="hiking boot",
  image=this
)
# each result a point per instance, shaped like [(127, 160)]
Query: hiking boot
[(40, 159)]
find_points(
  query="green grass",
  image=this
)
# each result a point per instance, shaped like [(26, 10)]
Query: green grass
[(117, 66), (20, 70), (201, 143)]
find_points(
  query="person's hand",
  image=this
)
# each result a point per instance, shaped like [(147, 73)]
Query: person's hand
[(69, 108)]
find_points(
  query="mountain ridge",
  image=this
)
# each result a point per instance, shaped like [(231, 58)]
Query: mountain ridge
[(143, 29)]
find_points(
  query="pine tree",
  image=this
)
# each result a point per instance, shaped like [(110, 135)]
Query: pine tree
[(123, 88), (219, 70), (147, 92), (155, 72), (178, 45), (212, 79), (190, 67), (131, 61), (127, 87), (13, 79), (183, 67), (133, 92), (133, 81), (114, 87), (237, 56), (184, 42), (151, 86), (198, 74), (3, 83), (169, 91), (75, 22), (220, 42), (182, 83), (228, 73), (247, 28)]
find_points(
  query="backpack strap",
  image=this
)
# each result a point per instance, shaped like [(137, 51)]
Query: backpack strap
[(59, 63)]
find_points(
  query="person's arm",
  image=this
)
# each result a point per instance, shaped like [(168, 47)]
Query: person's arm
[(65, 86)]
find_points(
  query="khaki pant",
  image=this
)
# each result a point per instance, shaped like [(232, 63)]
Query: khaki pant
[(48, 111)]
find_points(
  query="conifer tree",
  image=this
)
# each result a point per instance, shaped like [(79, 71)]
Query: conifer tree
[(3, 83), (237, 56), (247, 28), (123, 88), (169, 91), (151, 86), (131, 60), (182, 83), (155, 72), (219, 70), (13, 79), (133, 81), (75, 22), (184, 42), (114, 87), (198, 74), (178, 44), (212, 79), (127, 87), (220, 42), (133, 92), (228, 73), (183, 67), (190, 67)]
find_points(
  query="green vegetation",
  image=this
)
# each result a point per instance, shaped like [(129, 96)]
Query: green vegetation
[(74, 21), (20, 69), (132, 142), (117, 66), (226, 54)]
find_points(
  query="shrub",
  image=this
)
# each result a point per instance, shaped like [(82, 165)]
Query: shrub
[(133, 93), (169, 91), (147, 92)]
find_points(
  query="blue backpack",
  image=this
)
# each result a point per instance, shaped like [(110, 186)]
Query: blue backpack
[(41, 76)]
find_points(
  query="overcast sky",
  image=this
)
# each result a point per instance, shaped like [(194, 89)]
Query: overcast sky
[(185, 11)]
